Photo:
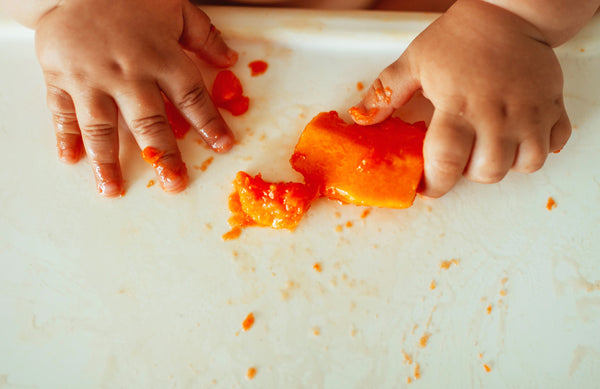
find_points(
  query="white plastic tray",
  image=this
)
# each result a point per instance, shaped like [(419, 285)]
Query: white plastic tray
[(142, 292)]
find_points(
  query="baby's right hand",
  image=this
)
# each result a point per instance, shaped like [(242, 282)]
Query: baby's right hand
[(105, 59)]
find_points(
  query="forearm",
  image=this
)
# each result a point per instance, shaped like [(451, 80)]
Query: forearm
[(557, 20), (28, 12)]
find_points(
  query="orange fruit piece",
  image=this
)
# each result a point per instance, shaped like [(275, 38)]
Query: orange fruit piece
[(275, 205), (379, 165)]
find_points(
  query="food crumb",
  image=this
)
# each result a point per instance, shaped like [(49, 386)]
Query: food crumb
[(423, 341), (551, 204), (360, 86), (317, 267), (233, 234), (487, 368), (408, 380), (248, 322), (446, 264), (150, 184), (417, 371), (365, 213), (488, 310), (432, 286), (502, 292), (316, 331), (251, 373), (407, 358), (349, 224)]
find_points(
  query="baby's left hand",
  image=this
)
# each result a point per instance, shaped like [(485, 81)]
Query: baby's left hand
[(497, 92)]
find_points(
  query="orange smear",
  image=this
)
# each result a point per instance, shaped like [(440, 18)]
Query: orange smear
[(432, 286), (205, 164), (251, 373), (150, 183), (365, 214), (487, 368), (227, 93), (408, 380), (248, 322), (417, 373), (360, 86), (178, 124), (551, 204), (488, 310), (502, 292), (349, 224), (407, 358), (446, 264), (258, 67), (379, 165), (317, 267), (423, 341)]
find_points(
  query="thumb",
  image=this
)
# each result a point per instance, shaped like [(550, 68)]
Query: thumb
[(200, 36), (391, 90)]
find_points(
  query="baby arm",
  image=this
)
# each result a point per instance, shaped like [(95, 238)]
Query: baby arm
[(495, 83), (102, 60)]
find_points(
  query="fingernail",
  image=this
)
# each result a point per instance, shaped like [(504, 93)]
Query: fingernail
[(110, 189), (223, 143)]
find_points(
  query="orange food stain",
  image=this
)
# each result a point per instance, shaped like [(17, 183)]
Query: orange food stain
[(488, 310), (487, 368), (205, 164), (349, 224), (248, 322), (423, 341), (408, 380), (178, 123), (417, 372), (316, 332), (407, 358), (432, 286), (258, 67), (502, 292), (227, 93), (150, 183), (339, 228), (317, 267), (251, 373), (446, 264), (365, 214), (360, 86), (551, 204), (480, 355)]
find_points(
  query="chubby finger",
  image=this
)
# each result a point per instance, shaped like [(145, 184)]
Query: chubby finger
[(446, 151), (200, 36), (391, 90), (98, 120), (184, 87), (143, 110), (68, 136), (491, 158), (560, 133), (531, 154)]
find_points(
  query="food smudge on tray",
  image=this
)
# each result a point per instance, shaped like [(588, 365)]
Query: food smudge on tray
[(445, 265), (258, 67), (205, 164), (487, 368), (251, 373), (550, 204), (360, 86), (248, 322), (317, 267), (150, 184)]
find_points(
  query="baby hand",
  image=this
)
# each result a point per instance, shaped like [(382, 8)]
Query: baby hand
[(110, 58), (496, 88)]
